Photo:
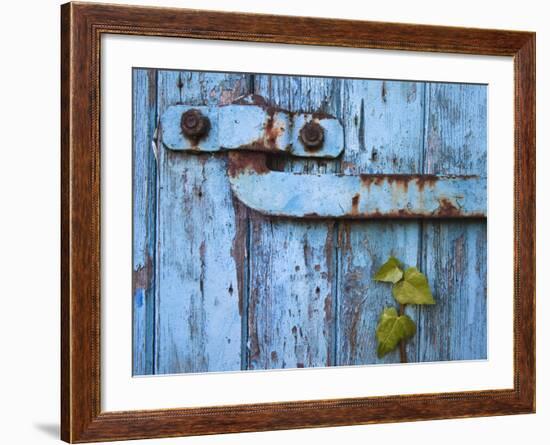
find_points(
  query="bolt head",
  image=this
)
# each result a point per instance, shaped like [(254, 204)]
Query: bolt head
[(312, 135), (194, 124)]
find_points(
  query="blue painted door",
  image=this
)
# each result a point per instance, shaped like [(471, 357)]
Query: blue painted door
[(221, 287)]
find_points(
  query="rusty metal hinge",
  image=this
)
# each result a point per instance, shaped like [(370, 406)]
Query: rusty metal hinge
[(248, 126), (250, 130)]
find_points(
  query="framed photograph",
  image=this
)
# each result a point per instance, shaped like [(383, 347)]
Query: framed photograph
[(274, 222)]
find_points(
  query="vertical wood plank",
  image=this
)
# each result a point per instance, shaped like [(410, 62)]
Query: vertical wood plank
[(198, 319), (291, 313), (383, 123), (455, 252), (144, 218)]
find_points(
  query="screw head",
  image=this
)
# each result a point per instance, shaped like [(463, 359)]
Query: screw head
[(312, 135), (194, 124)]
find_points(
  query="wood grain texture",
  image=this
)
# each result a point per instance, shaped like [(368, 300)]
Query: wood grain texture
[(198, 313), (455, 254), (144, 219), (82, 27), (302, 30), (292, 274), (383, 123)]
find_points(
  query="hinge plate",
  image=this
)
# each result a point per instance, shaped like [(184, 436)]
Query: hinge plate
[(252, 127)]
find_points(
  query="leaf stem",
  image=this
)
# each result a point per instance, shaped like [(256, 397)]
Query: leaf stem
[(402, 345)]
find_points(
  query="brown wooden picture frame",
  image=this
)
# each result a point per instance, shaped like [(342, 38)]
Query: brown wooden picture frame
[(82, 26)]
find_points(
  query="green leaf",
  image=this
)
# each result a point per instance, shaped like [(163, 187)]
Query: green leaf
[(413, 289), (390, 271), (392, 329)]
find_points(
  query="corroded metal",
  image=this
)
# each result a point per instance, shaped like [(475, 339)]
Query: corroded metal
[(250, 125), (249, 129), (312, 135), (332, 139), (354, 196), (194, 124)]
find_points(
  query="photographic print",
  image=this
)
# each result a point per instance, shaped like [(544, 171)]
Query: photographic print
[(306, 219), (284, 221)]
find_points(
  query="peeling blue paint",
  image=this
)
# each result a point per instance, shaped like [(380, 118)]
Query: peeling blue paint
[(360, 196), (252, 127)]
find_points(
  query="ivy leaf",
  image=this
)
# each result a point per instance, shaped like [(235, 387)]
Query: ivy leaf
[(413, 289), (392, 329), (389, 272)]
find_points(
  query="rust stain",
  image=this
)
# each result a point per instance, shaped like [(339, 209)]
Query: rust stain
[(402, 181), (344, 236), (368, 180), (260, 146), (426, 180), (313, 215), (355, 204), (143, 275), (272, 131), (240, 162), (444, 211), (447, 208), (268, 141), (347, 229), (238, 249), (328, 309)]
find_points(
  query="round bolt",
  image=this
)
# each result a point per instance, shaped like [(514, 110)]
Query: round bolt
[(312, 135), (194, 124)]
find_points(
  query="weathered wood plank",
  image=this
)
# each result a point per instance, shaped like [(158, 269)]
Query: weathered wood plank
[(455, 253), (291, 314), (144, 218), (383, 123), (198, 320), (291, 308)]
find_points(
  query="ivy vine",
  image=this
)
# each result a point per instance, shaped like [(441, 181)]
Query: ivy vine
[(408, 287)]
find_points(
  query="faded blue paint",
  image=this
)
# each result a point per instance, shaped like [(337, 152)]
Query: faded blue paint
[(292, 272), (384, 125), (367, 196), (333, 132), (172, 136), (234, 289), (144, 217), (198, 320), (454, 255), (251, 127)]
